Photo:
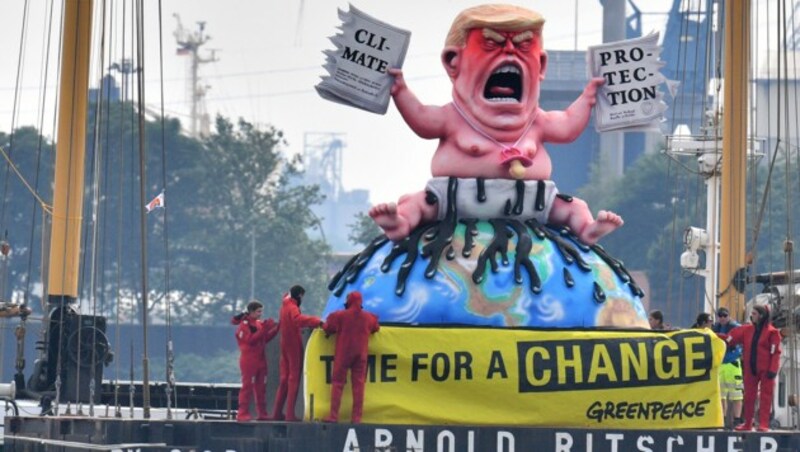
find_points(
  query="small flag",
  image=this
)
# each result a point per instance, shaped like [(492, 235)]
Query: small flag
[(183, 51), (157, 202)]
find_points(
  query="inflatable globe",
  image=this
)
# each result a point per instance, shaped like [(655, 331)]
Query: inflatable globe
[(497, 272)]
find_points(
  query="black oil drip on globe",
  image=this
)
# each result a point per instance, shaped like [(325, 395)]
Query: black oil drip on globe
[(353, 267), (470, 232), (436, 238)]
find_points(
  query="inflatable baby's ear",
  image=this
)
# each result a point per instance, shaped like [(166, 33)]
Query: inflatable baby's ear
[(450, 56), (542, 64)]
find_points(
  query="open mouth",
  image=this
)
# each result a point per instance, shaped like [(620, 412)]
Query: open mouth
[(504, 85)]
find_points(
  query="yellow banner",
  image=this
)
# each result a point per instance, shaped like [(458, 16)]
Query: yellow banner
[(502, 376)]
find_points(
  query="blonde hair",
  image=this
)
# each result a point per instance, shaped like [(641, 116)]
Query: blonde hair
[(498, 17)]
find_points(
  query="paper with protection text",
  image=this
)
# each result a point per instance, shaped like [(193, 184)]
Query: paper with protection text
[(357, 68), (630, 99)]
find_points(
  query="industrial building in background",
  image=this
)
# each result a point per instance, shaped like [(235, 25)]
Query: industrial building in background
[(322, 160)]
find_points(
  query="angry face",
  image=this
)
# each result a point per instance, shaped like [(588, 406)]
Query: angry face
[(496, 77)]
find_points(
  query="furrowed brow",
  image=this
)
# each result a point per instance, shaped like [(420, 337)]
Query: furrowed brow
[(488, 33), (522, 37)]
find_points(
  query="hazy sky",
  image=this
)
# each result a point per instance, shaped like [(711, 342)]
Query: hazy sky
[(270, 58)]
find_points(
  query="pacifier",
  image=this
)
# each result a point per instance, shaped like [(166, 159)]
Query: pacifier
[(516, 160)]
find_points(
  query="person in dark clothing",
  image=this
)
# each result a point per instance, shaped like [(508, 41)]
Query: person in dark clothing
[(291, 320), (761, 344), (353, 326), (704, 320), (252, 336)]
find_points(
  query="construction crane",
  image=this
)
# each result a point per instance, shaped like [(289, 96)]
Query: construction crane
[(189, 44)]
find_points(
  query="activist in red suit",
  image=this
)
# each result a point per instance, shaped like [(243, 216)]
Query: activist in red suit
[(252, 336), (352, 325), (761, 355), (291, 352)]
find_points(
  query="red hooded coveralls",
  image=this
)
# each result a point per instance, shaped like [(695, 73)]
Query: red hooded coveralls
[(291, 321), (353, 326), (767, 359), (252, 336)]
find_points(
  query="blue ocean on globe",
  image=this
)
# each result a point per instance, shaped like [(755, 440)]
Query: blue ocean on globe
[(501, 273)]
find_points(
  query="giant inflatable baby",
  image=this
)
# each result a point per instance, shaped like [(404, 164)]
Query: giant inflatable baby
[(493, 129), (490, 240)]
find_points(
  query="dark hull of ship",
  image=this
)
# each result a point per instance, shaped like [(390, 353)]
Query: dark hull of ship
[(76, 433)]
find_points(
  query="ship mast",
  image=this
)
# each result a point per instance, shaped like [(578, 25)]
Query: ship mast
[(734, 153), (65, 241)]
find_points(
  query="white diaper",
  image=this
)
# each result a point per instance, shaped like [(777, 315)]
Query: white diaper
[(503, 199)]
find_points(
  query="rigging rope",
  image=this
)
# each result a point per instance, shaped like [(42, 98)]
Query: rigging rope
[(15, 107), (120, 217), (132, 203), (47, 208), (44, 76), (169, 357), (142, 196), (96, 164), (794, 384), (17, 87)]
